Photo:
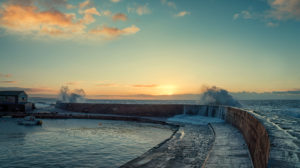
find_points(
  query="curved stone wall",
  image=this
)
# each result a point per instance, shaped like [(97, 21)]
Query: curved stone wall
[(252, 129), (254, 132)]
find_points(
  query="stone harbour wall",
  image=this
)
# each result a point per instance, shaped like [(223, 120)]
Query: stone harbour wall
[(254, 132), (147, 110)]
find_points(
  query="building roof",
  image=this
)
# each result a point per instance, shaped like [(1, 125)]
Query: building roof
[(11, 93)]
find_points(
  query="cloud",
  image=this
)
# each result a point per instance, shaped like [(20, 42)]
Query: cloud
[(280, 10), (106, 13), (27, 19), (119, 17), (115, 1), (29, 90), (107, 85), (84, 4), (145, 86), (169, 3), (40, 90), (243, 14), (182, 13), (88, 15), (292, 92), (5, 75), (114, 32), (49, 4), (72, 83), (284, 9), (140, 10), (272, 24), (9, 82)]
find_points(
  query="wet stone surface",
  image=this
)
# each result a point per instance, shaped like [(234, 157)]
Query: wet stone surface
[(229, 150), (187, 148)]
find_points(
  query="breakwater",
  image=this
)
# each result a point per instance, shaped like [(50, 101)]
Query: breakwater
[(254, 132), (146, 110)]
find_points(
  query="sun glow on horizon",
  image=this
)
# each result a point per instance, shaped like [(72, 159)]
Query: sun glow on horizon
[(167, 89)]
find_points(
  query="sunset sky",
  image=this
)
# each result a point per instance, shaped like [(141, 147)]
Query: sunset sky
[(155, 47)]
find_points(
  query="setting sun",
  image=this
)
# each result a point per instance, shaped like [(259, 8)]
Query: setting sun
[(167, 89)]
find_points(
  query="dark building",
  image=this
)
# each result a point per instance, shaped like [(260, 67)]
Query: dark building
[(14, 101), (13, 97)]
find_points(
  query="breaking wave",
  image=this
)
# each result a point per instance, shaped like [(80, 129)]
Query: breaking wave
[(75, 96), (218, 96)]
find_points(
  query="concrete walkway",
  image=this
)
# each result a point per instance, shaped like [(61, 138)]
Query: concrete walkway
[(229, 149), (187, 148)]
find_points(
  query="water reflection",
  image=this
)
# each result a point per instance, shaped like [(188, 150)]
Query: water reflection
[(76, 143)]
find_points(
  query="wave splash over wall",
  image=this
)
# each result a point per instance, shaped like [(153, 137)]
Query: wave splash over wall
[(74, 96), (218, 96), (210, 112), (200, 115)]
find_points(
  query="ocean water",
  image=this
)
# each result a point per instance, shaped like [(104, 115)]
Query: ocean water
[(283, 114), (76, 143)]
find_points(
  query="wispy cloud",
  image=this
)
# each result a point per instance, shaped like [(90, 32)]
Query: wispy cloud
[(107, 85), (106, 13), (272, 24), (145, 86), (9, 82), (30, 90), (73, 83), (114, 32), (284, 9), (115, 1), (84, 4), (280, 10), (5, 75), (40, 90), (288, 92), (140, 9), (119, 17), (169, 3), (243, 14), (182, 13)]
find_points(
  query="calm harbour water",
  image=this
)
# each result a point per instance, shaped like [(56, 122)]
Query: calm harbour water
[(76, 143)]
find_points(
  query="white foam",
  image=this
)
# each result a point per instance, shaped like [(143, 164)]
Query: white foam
[(194, 119)]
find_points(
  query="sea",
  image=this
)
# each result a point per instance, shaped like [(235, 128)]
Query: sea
[(99, 143)]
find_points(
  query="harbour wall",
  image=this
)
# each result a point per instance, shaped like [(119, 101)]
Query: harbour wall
[(145, 110), (254, 132)]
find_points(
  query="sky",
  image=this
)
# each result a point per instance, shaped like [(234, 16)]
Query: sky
[(150, 47)]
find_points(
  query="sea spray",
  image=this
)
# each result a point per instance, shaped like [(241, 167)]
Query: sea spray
[(75, 96), (202, 115), (218, 96)]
